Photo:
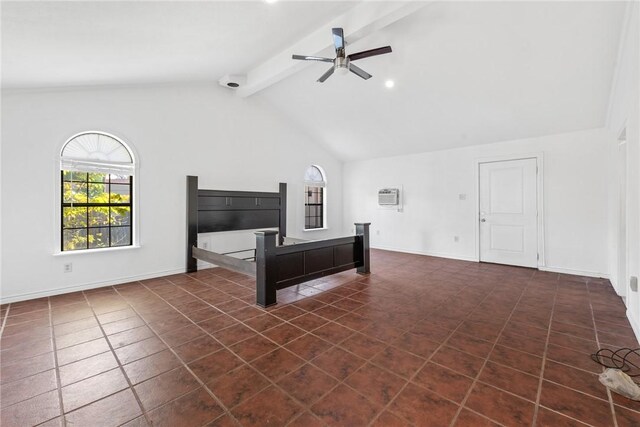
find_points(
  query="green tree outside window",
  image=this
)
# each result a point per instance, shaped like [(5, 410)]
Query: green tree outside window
[(96, 210)]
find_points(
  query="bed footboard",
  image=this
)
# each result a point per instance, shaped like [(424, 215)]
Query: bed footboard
[(279, 267)]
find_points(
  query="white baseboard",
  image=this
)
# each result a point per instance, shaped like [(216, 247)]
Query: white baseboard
[(574, 272), (634, 325), (434, 254), (87, 286), (475, 259), (614, 284)]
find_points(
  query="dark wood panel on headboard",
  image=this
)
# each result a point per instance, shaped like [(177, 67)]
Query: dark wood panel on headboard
[(219, 210), (237, 210), (228, 220)]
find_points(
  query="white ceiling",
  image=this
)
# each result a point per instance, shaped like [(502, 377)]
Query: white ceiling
[(70, 43), (466, 72)]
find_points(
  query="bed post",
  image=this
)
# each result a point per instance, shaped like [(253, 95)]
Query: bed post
[(362, 229), (192, 222), (283, 213), (266, 269)]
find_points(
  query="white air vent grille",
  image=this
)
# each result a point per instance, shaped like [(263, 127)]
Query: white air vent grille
[(389, 196)]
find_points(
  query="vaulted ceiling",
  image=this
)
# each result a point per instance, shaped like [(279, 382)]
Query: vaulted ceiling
[(465, 72), (76, 43)]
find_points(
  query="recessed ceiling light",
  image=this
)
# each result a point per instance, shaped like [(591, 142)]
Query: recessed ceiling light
[(270, 1), (389, 83)]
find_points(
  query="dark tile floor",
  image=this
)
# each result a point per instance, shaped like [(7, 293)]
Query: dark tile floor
[(421, 341)]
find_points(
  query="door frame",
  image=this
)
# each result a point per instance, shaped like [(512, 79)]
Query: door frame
[(622, 258), (540, 197)]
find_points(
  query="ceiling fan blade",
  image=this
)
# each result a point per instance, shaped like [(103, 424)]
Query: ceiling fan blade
[(338, 39), (326, 75), (311, 58), (368, 53), (359, 72)]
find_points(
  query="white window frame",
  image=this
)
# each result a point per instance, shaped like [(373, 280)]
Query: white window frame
[(135, 226), (324, 199)]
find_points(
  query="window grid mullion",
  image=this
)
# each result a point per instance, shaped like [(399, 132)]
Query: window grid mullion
[(109, 211), (87, 180), (89, 204)]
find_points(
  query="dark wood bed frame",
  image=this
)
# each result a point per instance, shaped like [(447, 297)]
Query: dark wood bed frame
[(277, 266)]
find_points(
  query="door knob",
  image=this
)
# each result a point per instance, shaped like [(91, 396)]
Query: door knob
[(483, 220)]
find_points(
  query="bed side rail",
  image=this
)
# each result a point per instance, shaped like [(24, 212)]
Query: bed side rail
[(224, 261)]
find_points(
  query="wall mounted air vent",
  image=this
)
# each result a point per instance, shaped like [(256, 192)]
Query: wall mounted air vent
[(389, 197)]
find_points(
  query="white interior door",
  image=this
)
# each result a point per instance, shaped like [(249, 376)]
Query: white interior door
[(509, 212)]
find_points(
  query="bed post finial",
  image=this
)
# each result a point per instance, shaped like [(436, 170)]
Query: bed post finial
[(362, 229), (266, 273)]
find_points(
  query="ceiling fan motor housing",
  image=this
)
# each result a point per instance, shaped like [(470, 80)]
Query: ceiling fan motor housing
[(341, 62)]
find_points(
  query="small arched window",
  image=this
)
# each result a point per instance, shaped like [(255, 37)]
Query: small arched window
[(314, 198), (97, 173)]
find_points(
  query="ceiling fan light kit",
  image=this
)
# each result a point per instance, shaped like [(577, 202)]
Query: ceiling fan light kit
[(342, 63)]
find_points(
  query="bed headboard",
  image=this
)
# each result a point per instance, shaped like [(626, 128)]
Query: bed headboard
[(217, 210)]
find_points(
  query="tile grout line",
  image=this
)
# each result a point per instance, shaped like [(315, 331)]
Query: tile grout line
[(387, 406), (306, 361), (4, 320), (342, 382), (58, 380), (595, 330), (57, 364), (273, 383), (355, 292), (305, 406), (122, 371), (185, 365), (389, 344), (495, 343), (562, 415), (544, 357), (394, 343), (428, 359)]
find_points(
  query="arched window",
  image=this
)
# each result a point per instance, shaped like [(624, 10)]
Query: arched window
[(97, 172), (314, 198)]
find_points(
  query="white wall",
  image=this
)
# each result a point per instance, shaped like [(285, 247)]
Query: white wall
[(229, 142), (624, 115), (575, 199)]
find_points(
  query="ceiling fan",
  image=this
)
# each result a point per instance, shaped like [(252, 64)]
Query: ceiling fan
[(343, 62)]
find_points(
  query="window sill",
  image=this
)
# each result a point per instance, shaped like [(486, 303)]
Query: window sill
[(101, 250), (315, 229)]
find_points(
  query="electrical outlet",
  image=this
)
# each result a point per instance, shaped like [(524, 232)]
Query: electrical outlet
[(68, 267), (205, 245), (456, 238), (462, 196)]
